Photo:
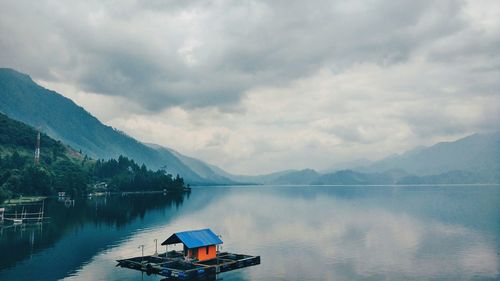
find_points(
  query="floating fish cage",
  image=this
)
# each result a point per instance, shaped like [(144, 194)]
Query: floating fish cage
[(199, 260), (174, 266)]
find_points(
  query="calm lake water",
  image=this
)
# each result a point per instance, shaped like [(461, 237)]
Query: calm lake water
[(301, 233)]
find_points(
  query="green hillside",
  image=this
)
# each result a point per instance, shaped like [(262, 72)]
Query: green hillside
[(24, 100), (61, 168)]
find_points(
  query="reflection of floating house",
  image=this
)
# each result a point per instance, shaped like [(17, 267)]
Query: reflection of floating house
[(199, 260), (198, 244), (61, 194)]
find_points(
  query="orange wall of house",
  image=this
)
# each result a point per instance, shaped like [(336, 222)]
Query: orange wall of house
[(202, 253)]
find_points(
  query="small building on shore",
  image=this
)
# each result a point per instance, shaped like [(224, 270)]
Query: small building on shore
[(101, 185), (198, 244)]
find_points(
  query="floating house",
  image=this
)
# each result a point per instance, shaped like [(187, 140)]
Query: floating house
[(198, 244), (200, 258)]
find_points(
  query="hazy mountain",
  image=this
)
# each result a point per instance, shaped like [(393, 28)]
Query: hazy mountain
[(206, 171), (310, 176), (351, 177), (345, 165), (254, 179), (473, 159), (305, 176), (478, 154), (22, 99)]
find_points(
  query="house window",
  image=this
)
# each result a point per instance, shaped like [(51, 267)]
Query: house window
[(207, 250)]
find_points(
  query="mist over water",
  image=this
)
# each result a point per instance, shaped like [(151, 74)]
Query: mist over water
[(300, 232)]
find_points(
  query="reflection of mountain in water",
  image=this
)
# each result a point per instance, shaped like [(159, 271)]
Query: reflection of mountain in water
[(75, 234)]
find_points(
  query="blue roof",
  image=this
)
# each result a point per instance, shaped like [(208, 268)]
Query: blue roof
[(194, 238)]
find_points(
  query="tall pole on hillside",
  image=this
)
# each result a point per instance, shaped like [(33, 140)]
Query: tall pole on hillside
[(37, 149)]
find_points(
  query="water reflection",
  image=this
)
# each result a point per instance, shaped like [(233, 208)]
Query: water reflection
[(75, 234), (360, 233), (301, 233)]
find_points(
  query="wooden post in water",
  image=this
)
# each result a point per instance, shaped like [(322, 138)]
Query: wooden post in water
[(217, 252), (142, 256), (2, 210), (156, 248), (42, 211)]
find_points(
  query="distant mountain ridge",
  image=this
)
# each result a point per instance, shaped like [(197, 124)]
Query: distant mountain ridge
[(201, 168), (478, 154), (473, 159), (24, 100)]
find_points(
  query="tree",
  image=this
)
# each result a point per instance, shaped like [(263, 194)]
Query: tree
[(69, 177), (36, 180), (16, 160), (5, 193)]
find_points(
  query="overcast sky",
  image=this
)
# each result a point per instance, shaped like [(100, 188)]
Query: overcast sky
[(260, 86)]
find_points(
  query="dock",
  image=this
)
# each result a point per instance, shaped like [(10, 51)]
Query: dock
[(26, 214)]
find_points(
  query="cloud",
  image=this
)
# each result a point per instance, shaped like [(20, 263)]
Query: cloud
[(259, 86), (210, 54)]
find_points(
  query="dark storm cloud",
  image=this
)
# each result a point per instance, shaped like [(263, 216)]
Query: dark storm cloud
[(197, 54)]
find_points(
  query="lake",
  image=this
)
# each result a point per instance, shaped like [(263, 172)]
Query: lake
[(300, 232)]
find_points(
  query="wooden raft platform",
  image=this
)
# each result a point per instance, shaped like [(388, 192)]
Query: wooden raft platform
[(173, 265)]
